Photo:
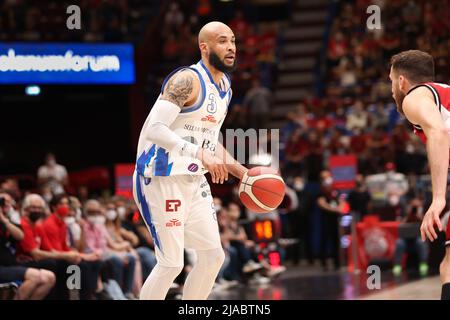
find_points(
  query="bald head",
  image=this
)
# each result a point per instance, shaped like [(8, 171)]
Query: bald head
[(217, 46), (213, 30)]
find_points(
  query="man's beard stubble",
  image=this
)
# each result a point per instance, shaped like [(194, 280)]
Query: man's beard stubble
[(215, 61), (399, 97)]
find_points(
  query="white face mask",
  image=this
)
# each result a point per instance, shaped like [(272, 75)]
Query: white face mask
[(69, 221), (394, 200), (121, 211), (298, 186), (97, 220), (410, 149), (111, 215), (328, 181)]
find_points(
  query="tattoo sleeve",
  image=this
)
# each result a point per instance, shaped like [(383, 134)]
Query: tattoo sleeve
[(179, 88)]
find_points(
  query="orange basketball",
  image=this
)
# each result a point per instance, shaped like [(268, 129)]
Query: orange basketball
[(262, 189)]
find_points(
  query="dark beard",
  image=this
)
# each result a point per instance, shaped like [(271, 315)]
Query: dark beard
[(215, 61), (399, 101)]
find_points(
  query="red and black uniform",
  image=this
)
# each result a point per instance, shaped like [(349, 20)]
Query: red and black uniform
[(441, 93)]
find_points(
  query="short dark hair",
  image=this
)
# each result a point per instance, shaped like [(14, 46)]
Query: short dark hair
[(56, 199), (417, 66)]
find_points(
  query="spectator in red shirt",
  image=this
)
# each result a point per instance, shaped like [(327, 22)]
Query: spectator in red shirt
[(34, 250), (35, 283), (56, 231)]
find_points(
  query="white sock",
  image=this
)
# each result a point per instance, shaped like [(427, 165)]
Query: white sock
[(158, 282), (200, 280)]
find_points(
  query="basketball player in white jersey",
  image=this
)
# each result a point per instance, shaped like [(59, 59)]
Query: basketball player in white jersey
[(177, 146)]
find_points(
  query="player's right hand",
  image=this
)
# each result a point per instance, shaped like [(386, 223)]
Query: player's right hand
[(216, 167), (430, 219)]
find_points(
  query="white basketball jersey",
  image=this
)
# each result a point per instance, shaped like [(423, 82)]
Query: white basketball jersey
[(199, 124)]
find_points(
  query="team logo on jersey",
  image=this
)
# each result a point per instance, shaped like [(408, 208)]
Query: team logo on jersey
[(193, 167), (209, 118), (212, 105), (173, 223), (172, 205)]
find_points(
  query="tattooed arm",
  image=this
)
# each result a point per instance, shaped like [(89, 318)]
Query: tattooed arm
[(182, 89)]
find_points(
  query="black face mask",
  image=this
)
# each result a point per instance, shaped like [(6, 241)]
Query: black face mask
[(35, 215)]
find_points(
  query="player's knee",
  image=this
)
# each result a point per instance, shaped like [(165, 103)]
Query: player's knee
[(215, 258), (164, 271)]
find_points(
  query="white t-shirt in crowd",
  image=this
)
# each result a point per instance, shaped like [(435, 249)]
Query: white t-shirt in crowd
[(57, 173)]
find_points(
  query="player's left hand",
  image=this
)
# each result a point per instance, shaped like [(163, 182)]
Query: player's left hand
[(430, 219)]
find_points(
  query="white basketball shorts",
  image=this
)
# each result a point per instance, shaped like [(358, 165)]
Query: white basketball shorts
[(179, 213)]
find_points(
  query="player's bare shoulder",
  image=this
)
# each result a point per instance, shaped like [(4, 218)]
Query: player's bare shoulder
[(182, 88), (419, 93), (420, 107), (417, 97)]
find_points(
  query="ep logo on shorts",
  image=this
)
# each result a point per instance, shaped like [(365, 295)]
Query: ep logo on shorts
[(172, 205)]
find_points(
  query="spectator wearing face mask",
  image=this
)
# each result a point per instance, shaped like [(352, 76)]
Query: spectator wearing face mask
[(35, 249), (98, 240), (52, 175), (34, 283), (123, 250), (58, 234), (10, 207), (122, 236), (328, 203), (73, 221)]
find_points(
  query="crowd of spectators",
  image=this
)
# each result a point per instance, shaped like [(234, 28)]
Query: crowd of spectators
[(45, 231), (357, 114), (101, 21), (105, 238)]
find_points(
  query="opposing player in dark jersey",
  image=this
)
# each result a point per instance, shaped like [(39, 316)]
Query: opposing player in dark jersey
[(426, 105)]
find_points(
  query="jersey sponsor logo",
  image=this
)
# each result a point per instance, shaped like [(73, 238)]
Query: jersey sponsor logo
[(172, 205), (190, 127), (208, 145), (206, 193), (193, 167), (173, 223), (212, 106), (209, 118)]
